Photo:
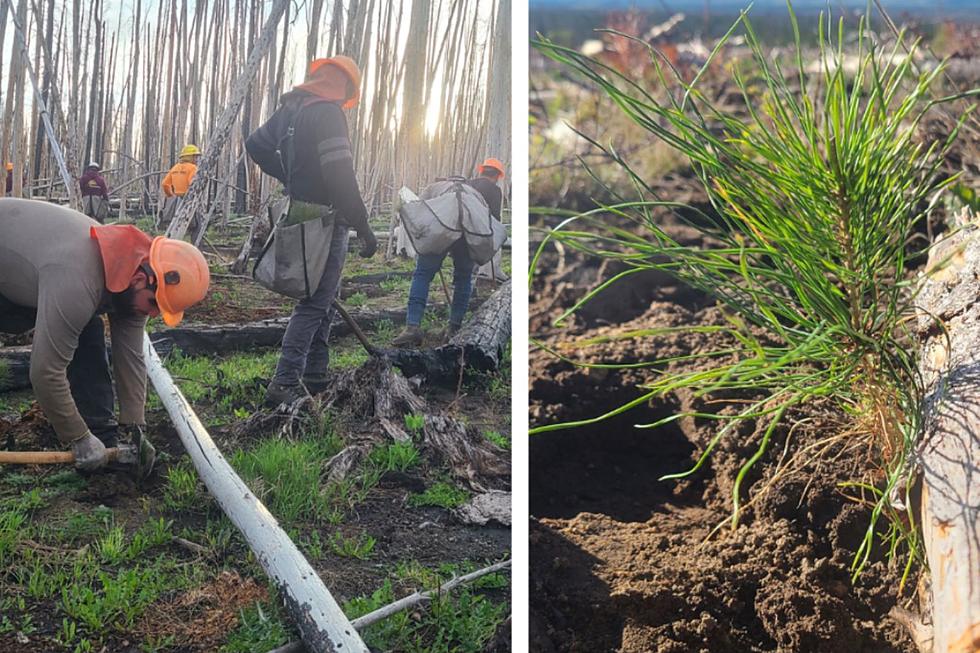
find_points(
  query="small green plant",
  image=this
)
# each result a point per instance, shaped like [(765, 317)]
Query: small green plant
[(359, 547), (396, 285), (349, 355), (462, 622), (111, 547), (414, 423), (286, 475), (385, 331), (442, 495), (356, 300), (181, 492), (259, 629), (816, 192), (397, 456), (501, 441), (11, 523)]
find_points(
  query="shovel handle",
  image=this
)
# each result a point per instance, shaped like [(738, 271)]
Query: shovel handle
[(45, 457), (371, 349)]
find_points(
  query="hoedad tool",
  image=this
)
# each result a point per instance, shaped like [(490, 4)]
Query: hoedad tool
[(358, 332), (141, 455)]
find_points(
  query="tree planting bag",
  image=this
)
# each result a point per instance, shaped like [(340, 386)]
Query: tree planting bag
[(293, 259), (447, 211)]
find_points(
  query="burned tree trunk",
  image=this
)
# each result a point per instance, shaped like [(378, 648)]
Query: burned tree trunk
[(949, 453), (197, 193), (478, 346)]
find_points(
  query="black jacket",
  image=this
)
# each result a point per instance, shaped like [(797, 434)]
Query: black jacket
[(491, 193), (319, 155)]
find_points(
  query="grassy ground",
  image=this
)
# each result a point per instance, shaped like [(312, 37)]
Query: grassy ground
[(102, 563)]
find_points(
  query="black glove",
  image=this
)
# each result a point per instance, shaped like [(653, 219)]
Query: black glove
[(369, 243)]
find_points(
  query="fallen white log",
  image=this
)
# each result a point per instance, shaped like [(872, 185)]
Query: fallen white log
[(949, 452), (322, 624), (407, 602)]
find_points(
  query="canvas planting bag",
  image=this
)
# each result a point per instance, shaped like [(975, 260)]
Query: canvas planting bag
[(293, 259), (447, 211)]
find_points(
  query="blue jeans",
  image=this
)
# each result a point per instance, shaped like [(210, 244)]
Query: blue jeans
[(304, 346), (426, 267)]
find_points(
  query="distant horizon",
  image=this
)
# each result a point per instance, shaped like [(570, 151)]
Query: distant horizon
[(932, 6)]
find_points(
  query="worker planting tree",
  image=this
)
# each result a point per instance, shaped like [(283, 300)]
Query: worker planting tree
[(59, 273), (428, 264), (306, 146)]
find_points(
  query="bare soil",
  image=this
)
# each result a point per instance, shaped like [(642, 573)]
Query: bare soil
[(621, 561)]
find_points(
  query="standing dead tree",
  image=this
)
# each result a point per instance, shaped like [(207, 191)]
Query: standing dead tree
[(196, 196)]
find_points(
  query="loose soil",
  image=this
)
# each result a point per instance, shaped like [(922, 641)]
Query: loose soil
[(623, 562)]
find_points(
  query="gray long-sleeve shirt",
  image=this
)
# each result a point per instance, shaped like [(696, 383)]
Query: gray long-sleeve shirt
[(48, 261)]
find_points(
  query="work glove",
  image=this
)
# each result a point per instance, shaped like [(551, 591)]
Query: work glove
[(90, 453), (369, 243)]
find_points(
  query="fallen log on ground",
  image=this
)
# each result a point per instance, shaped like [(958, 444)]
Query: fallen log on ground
[(321, 623), (478, 346), (949, 451), (16, 365), (200, 339), (410, 601)]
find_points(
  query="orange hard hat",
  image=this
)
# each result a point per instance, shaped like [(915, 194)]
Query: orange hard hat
[(10, 166), (182, 277), (350, 69), (492, 163)]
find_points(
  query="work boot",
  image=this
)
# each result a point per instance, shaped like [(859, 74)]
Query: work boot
[(450, 331), (316, 384), (277, 393), (108, 435), (145, 451), (411, 336)]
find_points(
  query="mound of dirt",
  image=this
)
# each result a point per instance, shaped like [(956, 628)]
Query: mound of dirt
[(621, 561)]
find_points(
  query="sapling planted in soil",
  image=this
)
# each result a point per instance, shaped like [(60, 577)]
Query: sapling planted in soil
[(816, 188)]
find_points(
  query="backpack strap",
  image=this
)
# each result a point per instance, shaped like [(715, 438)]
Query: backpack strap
[(287, 137)]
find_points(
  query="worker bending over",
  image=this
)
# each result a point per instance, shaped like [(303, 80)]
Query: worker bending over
[(60, 272)]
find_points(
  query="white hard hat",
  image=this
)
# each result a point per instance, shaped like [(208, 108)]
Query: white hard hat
[(94, 164)]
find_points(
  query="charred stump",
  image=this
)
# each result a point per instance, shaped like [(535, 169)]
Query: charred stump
[(479, 345)]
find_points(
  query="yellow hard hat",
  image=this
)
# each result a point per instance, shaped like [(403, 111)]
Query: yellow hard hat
[(182, 277), (190, 150)]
